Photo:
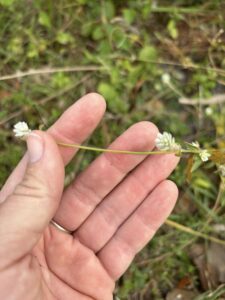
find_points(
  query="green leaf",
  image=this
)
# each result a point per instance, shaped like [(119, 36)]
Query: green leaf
[(109, 9), (64, 38), (60, 80), (129, 15), (104, 47), (107, 90), (98, 33), (148, 53), (197, 163), (32, 51), (44, 20), (115, 103), (171, 26), (118, 37)]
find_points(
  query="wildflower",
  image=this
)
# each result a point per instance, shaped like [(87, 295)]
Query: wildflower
[(195, 144), (165, 141), (204, 155), (21, 129)]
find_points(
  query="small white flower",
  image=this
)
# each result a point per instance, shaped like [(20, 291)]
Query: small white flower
[(195, 144), (21, 129), (204, 155), (165, 141)]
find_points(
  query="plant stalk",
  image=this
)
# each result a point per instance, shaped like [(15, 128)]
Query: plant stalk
[(90, 148), (195, 233)]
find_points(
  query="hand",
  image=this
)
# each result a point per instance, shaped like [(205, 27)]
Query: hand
[(113, 208)]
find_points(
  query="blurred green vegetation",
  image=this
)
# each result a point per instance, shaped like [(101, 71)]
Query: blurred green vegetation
[(148, 55)]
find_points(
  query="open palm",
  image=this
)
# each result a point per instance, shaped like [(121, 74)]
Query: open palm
[(113, 209)]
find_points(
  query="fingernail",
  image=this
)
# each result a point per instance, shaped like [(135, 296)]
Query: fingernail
[(35, 146)]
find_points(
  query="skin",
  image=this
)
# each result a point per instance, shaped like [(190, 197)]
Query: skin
[(113, 208)]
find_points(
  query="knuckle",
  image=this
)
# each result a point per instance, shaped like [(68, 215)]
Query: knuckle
[(31, 186)]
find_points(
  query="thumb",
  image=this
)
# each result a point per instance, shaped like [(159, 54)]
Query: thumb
[(28, 210)]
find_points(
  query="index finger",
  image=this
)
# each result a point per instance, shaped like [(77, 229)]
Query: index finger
[(77, 123)]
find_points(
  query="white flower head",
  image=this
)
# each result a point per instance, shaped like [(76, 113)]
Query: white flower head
[(21, 129), (204, 155), (165, 141)]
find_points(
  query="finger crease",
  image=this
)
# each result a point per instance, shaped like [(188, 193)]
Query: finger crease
[(85, 194)]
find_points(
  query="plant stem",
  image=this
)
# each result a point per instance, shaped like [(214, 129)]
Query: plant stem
[(125, 151), (193, 232), (114, 150)]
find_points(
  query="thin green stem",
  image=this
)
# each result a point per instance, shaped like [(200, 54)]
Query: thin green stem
[(193, 232), (96, 149), (116, 151)]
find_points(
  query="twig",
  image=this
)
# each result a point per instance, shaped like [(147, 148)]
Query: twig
[(31, 72), (217, 99), (44, 100), (193, 232), (48, 70)]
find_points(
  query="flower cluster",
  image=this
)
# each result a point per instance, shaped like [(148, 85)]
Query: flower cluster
[(21, 130), (203, 154), (165, 141)]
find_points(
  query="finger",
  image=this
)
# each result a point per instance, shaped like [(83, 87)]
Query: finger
[(88, 189), (29, 209), (78, 122), (141, 226), (124, 199), (74, 126)]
